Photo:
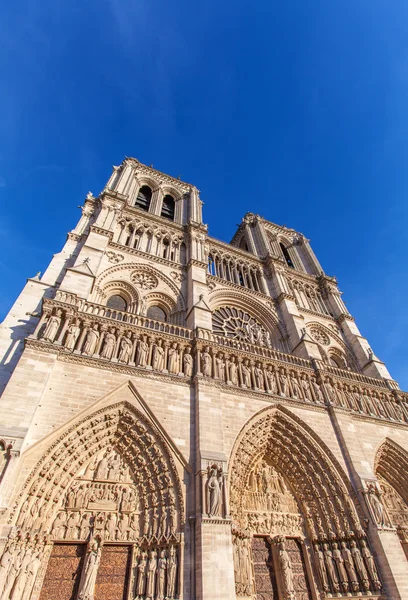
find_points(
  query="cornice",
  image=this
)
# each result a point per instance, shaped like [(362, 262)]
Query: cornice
[(284, 296), (314, 313), (76, 237), (183, 185), (101, 231), (240, 288)]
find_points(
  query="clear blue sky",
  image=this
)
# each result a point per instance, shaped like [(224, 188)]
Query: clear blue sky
[(295, 110)]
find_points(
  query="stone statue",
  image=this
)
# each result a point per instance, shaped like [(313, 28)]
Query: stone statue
[(349, 564), (91, 340), (286, 571), (339, 560), (296, 393), (215, 482), (318, 392), (109, 344), (270, 380), (171, 573), (72, 335), (125, 348), (5, 563), (141, 576), (151, 575), (331, 571), (371, 568), (284, 385), (359, 564), (158, 356), (246, 374), (233, 370), (53, 325), (173, 359), (161, 576), (89, 572), (259, 376), (321, 568), (14, 567), (102, 468), (373, 497), (206, 362), (220, 366), (21, 579), (142, 354), (32, 570), (188, 362), (304, 384)]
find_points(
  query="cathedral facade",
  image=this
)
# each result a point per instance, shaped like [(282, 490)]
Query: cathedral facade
[(182, 418)]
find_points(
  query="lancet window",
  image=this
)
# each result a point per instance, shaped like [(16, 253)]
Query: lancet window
[(144, 197), (236, 271), (168, 205), (286, 256), (144, 237), (307, 296)]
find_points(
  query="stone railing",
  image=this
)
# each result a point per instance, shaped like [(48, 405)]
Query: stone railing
[(91, 330)]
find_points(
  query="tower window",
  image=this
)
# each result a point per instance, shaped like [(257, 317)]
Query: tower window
[(168, 207), (144, 197), (117, 302), (287, 256)]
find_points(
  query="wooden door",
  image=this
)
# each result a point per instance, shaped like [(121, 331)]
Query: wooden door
[(300, 579), (63, 572), (112, 580), (265, 580)]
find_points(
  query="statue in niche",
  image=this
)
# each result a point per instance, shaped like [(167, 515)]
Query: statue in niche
[(349, 564), (232, 370), (284, 384), (158, 356), (161, 576), (317, 391), (330, 568), (73, 523), (52, 327), (188, 362), (142, 354), (125, 348), (151, 575), (259, 376), (14, 567), (286, 571), (110, 526), (141, 575), (59, 527), (305, 386), (72, 335), (6, 563), (321, 568), (91, 341), (171, 572), (371, 568), (359, 565), (173, 362), (270, 380), (339, 560), (21, 579), (89, 572), (296, 393), (86, 525), (103, 468), (32, 570), (206, 362), (246, 374), (109, 344), (220, 366), (374, 499), (214, 487)]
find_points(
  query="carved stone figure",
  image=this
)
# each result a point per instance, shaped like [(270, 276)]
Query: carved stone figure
[(296, 393), (259, 376), (371, 568), (220, 366), (72, 335), (109, 344), (125, 348), (321, 568), (141, 576), (32, 570), (359, 564), (215, 482), (151, 574), (90, 570), (206, 362), (286, 571), (304, 384), (317, 391), (161, 576), (171, 573), (103, 468), (373, 497), (14, 567), (232, 370), (142, 354), (246, 374), (284, 384), (5, 564), (21, 579), (173, 364), (188, 362), (52, 327), (158, 356), (339, 560), (330, 568), (91, 341), (270, 380)]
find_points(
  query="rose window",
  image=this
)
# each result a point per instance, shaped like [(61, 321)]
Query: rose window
[(236, 324)]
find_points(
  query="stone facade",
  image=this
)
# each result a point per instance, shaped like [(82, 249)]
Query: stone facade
[(185, 418)]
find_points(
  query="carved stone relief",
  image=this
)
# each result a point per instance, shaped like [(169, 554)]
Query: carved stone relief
[(235, 323)]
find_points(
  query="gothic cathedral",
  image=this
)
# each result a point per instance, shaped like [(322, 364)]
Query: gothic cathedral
[(183, 418)]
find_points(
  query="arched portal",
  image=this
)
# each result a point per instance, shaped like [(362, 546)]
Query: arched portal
[(391, 468), (295, 516), (101, 515)]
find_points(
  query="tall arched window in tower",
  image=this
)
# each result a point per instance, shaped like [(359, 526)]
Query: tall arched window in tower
[(287, 256), (168, 207), (144, 197)]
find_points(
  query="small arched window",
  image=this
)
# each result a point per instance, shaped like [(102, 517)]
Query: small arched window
[(168, 207), (156, 313), (287, 256), (144, 197), (117, 303)]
